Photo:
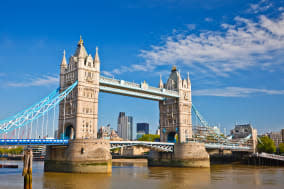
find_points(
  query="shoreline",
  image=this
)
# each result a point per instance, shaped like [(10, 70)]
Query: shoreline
[(141, 160)]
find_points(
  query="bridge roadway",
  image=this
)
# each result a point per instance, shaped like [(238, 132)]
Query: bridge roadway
[(158, 146)]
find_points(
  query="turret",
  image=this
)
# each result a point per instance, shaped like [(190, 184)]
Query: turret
[(63, 67), (184, 83), (63, 62), (97, 60), (81, 51), (174, 82), (188, 81), (80, 54), (161, 85)]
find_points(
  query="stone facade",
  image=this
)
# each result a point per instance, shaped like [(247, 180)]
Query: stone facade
[(176, 123), (78, 113), (133, 151), (81, 156), (189, 154), (78, 118), (175, 114)]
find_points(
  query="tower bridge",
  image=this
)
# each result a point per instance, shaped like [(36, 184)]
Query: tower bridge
[(77, 96)]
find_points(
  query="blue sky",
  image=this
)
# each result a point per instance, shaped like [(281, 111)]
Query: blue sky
[(233, 50)]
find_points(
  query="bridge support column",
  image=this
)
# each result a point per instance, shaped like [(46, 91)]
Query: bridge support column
[(81, 156), (189, 154)]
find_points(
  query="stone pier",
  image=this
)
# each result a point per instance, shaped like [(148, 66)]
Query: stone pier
[(81, 156), (191, 154)]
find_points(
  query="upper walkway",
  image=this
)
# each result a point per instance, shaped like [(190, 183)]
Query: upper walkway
[(142, 90)]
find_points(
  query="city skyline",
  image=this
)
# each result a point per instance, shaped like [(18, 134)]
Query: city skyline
[(231, 82)]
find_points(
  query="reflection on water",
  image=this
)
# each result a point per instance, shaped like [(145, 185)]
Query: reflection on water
[(138, 175)]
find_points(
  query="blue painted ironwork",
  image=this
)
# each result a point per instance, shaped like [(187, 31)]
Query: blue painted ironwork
[(36, 111), (200, 117), (33, 142)]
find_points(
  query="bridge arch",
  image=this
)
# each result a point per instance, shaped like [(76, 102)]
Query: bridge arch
[(69, 132), (172, 137)]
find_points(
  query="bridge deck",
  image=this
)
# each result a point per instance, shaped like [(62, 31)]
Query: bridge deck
[(161, 146), (33, 142)]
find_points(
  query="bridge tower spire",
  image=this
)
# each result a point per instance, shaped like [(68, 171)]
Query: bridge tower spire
[(63, 67), (97, 60), (161, 84)]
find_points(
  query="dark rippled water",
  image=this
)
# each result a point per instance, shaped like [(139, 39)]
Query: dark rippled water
[(140, 176)]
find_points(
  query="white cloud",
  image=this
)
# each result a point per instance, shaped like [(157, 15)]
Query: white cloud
[(261, 6), (208, 19), (191, 26), (245, 45), (106, 73), (235, 92), (36, 81), (248, 44)]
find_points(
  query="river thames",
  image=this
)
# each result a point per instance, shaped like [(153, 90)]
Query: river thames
[(138, 175)]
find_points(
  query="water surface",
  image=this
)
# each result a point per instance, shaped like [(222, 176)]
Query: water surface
[(132, 175)]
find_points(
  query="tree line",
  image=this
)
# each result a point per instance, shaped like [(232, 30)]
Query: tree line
[(12, 151), (267, 145)]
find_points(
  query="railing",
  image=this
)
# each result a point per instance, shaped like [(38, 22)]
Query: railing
[(33, 142), (270, 156)]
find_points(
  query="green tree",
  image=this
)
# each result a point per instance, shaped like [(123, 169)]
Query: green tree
[(4, 151), (149, 137), (281, 148), (266, 145), (1, 151)]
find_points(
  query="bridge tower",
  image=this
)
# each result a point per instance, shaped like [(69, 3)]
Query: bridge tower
[(175, 114), (78, 113), (78, 117), (176, 126)]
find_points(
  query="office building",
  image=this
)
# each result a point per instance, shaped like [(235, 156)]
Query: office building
[(142, 129), (124, 126)]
